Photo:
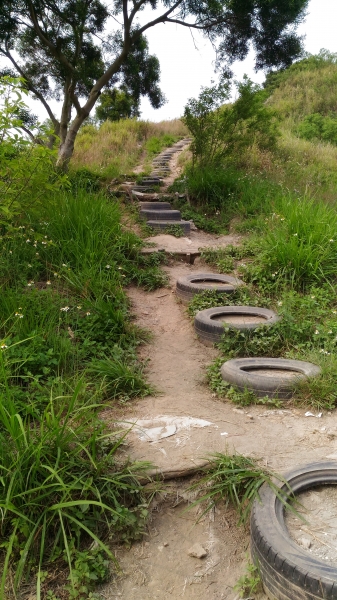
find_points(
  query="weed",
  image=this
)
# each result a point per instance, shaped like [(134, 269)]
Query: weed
[(175, 230), (236, 479), (300, 247), (120, 379), (250, 583), (241, 397)]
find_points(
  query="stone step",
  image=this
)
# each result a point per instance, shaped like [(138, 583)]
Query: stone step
[(160, 215), (162, 225), (155, 206)]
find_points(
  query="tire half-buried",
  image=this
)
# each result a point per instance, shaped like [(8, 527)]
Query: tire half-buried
[(247, 373), (190, 285), (288, 571), (210, 328)]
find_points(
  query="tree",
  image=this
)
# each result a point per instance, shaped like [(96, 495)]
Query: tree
[(73, 49)]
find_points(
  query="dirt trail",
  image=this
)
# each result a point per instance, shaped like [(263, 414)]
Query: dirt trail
[(283, 438), (159, 567)]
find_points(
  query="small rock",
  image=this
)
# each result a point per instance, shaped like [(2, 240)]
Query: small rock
[(305, 542), (250, 416), (165, 544), (197, 551)]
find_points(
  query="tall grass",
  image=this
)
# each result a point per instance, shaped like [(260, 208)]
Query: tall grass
[(63, 302), (117, 147), (300, 247), (62, 487)]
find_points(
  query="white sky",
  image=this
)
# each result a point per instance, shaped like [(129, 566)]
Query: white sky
[(185, 69), (187, 62)]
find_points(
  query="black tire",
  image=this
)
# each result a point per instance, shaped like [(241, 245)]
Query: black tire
[(155, 205), (148, 189), (288, 571), (190, 285), (162, 225), (160, 215), (240, 372), (210, 330)]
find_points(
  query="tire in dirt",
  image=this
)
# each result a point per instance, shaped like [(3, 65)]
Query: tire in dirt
[(162, 225), (190, 285), (288, 571), (243, 373), (155, 205), (210, 330), (161, 215)]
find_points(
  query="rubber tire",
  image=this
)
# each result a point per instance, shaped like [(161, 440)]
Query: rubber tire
[(288, 571), (210, 330), (155, 205), (233, 372), (162, 225), (160, 215), (145, 189), (188, 286)]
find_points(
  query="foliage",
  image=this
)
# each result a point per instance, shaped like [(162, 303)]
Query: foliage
[(155, 144), (27, 169), (319, 127), (226, 192), (116, 104), (174, 230), (222, 132), (120, 378), (116, 147), (236, 479), (62, 487), (62, 302), (207, 221), (249, 583), (57, 52), (300, 246)]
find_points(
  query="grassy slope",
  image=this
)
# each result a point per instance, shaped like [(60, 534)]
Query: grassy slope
[(117, 147), (306, 166)]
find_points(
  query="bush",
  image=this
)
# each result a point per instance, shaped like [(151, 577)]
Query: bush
[(27, 169), (222, 131), (319, 127)]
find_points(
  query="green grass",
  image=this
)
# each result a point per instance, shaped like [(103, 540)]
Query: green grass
[(299, 246), (235, 479), (62, 488)]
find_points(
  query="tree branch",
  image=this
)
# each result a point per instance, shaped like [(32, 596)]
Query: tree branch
[(56, 53), (160, 19), (33, 89)]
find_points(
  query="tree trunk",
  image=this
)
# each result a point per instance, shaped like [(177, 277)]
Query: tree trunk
[(67, 147)]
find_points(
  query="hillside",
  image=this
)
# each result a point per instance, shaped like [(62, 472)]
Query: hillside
[(304, 98)]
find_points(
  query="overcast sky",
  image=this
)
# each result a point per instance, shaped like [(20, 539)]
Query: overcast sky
[(187, 61), (185, 68)]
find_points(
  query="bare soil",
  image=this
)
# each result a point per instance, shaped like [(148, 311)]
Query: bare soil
[(318, 533), (182, 425), (282, 438)]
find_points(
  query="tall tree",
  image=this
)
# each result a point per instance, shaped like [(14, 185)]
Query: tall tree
[(72, 49)]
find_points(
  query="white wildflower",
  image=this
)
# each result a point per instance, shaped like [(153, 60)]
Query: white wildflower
[(64, 309)]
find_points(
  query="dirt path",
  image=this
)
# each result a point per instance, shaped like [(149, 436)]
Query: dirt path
[(178, 428), (283, 438)]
